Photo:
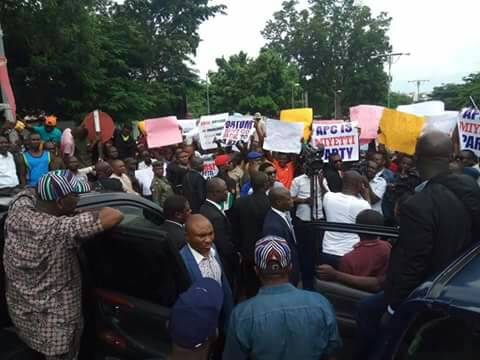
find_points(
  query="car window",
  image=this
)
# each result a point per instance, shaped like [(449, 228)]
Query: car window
[(441, 337), (139, 218)]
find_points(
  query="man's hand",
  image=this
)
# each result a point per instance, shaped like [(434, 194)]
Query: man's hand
[(327, 273)]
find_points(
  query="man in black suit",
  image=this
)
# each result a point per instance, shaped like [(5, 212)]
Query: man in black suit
[(194, 184), (437, 224), (279, 222), (333, 173), (247, 216), (176, 210), (217, 194)]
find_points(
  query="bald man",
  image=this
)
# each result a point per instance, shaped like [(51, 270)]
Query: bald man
[(202, 259), (438, 223), (278, 222), (343, 207), (217, 193)]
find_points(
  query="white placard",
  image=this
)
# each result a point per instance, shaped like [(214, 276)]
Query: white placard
[(337, 138), (427, 108), (210, 129), (238, 128), (283, 136), (445, 123)]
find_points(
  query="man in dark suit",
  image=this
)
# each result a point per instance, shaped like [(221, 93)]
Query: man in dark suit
[(437, 224), (176, 210), (333, 173), (194, 185), (279, 222), (201, 259), (217, 193), (247, 216)]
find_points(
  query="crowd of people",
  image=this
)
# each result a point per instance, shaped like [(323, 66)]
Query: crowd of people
[(249, 228)]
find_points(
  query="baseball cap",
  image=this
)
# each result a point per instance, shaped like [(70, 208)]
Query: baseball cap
[(51, 120), (194, 317), (57, 184), (272, 254), (253, 155), (222, 160)]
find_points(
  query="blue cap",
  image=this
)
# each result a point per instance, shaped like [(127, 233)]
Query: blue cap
[(194, 317), (57, 184), (470, 171), (253, 155)]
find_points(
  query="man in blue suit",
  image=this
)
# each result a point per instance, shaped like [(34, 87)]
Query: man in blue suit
[(278, 222), (202, 259)]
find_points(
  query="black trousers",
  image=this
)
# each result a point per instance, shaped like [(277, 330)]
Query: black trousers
[(308, 242)]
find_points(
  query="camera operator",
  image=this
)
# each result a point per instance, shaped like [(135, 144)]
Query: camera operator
[(308, 210)]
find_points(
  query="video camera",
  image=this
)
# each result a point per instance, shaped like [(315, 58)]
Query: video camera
[(313, 159)]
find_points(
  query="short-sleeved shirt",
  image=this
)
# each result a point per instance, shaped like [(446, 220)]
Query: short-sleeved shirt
[(54, 135), (282, 323), (43, 279), (368, 258), (341, 208), (285, 174), (378, 185), (301, 189)]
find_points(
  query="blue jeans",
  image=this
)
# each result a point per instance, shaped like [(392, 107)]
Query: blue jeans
[(369, 314)]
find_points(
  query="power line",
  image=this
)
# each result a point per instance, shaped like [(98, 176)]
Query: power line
[(418, 82)]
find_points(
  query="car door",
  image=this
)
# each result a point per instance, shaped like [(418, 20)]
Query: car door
[(130, 294)]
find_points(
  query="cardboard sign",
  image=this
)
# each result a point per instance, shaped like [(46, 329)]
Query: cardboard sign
[(237, 128), (187, 125), (368, 118), (426, 108), (283, 136), (469, 130), (162, 132), (210, 129), (209, 168), (337, 138), (99, 120), (303, 115), (445, 123)]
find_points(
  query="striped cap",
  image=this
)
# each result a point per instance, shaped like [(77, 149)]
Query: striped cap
[(57, 184), (272, 254)]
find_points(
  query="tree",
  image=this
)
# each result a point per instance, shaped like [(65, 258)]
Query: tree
[(457, 96), (132, 60), (243, 84), (397, 99), (336, 45)]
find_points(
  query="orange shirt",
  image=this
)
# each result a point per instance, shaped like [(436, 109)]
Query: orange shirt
[(285, 174)]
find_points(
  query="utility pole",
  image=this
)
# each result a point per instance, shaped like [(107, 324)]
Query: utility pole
[(389, 58), (208, 95), (418, 82), (5, 105)]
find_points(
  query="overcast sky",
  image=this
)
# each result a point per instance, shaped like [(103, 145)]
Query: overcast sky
[(441, 35)]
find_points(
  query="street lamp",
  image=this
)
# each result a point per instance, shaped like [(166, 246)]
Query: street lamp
[(293, 93), (337, 103), (389, 57)]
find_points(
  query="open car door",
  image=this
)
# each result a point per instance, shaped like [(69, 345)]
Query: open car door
[(135, 277)]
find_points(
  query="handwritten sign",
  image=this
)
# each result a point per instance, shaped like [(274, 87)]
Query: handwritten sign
[(469, 130), (337, 138), (284, 136), (210, 129), (162, 132), (237, 128)]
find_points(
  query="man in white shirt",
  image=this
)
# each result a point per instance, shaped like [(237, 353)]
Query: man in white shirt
[(378, 185), (344, 207), (308, 240), (8, 168)]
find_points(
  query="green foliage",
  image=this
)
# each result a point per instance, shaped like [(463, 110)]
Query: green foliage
[(131, 60), (456, 96), (244, 85), (397, 99), (336, 45)]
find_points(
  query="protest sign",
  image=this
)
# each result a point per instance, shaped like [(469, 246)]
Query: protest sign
[(368, 118), (426, 108), (162, 132), (187, 125), (210, 129), (304, 115), (237, 128), (337, 137), (469, 130), (445, 123), (399, 131), (7, 90), (209, 168), (101, 122), (283, 136)]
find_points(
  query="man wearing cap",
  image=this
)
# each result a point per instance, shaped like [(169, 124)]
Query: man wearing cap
[(224, 165), (194, 320), (281, 322), (160, 187), (255, 159), (43, 278), (48, 131)]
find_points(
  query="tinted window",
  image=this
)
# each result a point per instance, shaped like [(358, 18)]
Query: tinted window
[(139, 218)]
